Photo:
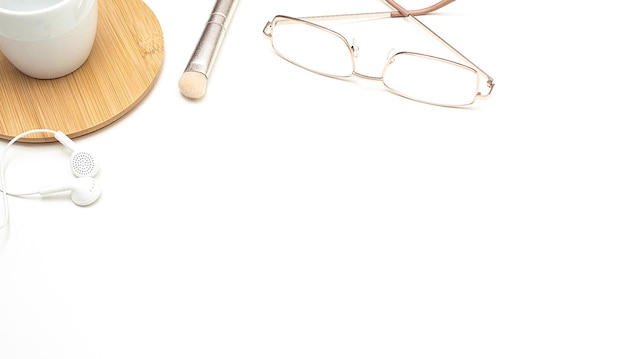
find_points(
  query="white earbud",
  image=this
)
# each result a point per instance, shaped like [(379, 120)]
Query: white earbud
[(83, 164), (84, 190)]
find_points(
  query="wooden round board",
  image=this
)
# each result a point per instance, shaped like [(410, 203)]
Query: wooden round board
[(121, 69)]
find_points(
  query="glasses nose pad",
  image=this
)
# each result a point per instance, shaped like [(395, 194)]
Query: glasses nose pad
[(390, 55), (355, 48)]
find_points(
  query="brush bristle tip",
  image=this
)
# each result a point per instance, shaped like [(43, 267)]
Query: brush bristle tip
[(192, 84)]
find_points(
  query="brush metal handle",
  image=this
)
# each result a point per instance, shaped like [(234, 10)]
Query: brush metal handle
[(208, 46)]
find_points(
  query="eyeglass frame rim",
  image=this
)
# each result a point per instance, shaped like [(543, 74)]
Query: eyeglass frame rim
[(323, 28), (440, 59), (400, 12)]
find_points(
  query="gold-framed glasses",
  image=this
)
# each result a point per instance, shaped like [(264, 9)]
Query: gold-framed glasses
[(416, 76)]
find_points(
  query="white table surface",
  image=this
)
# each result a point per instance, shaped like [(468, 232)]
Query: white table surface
[(289, 215)]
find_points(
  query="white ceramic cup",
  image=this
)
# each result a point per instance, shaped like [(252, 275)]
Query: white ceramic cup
[(47, 39)]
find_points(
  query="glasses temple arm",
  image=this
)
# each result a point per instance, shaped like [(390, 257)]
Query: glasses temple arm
[(402, 12), (490, 82)]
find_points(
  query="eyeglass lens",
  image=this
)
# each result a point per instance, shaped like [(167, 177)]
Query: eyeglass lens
[(430, 79), (312, 48)]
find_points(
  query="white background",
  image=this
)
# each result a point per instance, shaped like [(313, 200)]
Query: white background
[(289, 215)]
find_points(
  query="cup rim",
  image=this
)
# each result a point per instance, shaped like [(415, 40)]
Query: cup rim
[(34, 12)]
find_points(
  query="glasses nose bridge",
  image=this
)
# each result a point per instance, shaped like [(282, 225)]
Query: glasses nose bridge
[(373, 68), (367, 77)]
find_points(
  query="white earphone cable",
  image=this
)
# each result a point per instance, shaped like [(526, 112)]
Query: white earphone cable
[(5, 193)]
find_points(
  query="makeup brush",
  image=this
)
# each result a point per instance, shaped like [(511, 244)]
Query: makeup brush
[(193, 82)]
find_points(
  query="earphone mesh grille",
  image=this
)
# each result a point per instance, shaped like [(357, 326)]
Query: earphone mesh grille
[(83, 164)]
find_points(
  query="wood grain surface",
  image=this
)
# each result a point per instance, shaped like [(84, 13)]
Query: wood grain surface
[(121, 69)]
